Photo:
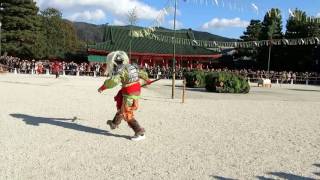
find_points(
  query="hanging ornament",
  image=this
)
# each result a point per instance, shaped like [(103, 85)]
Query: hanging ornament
[(291, 13), (214, 43), (216, 2), (310, 41), (165, 12), (255, 7), (201, 43), (269, 14), (144, 32)]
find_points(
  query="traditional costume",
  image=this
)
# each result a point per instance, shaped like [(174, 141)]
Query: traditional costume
[(120, 71)]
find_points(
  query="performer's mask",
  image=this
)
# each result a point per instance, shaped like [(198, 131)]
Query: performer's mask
[(118, 63)]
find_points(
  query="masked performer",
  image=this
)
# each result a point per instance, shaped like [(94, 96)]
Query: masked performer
[(120, 71)]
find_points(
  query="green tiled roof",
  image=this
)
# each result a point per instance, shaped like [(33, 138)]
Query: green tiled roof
[(118, 38), (95, 58)]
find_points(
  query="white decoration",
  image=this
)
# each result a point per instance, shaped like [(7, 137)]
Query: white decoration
[(216, 2), (255, 7), (291, 13)]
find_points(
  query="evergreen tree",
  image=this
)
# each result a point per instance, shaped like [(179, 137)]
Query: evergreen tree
[(271, 29), (300, 25), (51, 21), (314, 28), (272, 25), (253, 31), (20, 26), (60, 35), (297, 25)]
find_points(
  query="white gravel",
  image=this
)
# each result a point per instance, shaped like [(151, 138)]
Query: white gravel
[(266, 134)]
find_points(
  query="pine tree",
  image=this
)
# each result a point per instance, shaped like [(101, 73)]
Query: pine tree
[(272, 25), (253, 31), (297, 25), (21, 27)]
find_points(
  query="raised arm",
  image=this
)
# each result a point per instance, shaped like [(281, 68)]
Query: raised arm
[(144, 75), (110, 83)]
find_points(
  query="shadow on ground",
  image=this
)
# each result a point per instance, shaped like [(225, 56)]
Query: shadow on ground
[(175, 85), (24, 83), (277, 175), (221, 178), (188, 88), (307, 90), (317, 173), (284, 175), (198, 90), (62, 122)]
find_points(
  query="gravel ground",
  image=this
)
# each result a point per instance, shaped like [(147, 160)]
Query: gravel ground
[(266, 134)]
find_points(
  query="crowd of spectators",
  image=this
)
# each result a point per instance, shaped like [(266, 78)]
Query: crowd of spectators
[(254, 75), (91, 69), (46, 66)]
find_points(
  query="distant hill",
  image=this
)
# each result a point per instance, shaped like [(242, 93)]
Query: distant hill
[(211, 37), (89, 32), (94, 33)]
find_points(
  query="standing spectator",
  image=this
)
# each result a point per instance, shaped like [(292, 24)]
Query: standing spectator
[(294, 77), (56, 67), (283, 77), (289, 77), (39, 68)]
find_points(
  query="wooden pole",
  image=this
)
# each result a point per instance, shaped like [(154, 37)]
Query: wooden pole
[(269, 57), (174, 51), (184, 90)]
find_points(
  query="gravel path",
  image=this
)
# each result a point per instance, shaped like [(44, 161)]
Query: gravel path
[(266, 134)]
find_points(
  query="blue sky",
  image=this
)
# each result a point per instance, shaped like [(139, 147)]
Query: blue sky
[(222, 17)]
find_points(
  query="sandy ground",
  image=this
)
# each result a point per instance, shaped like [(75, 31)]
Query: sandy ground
[(266, 134)]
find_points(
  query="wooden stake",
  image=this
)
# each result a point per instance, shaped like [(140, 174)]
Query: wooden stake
[(183, 90)]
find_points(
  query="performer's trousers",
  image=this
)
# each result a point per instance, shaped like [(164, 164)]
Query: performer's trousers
[(126, 113)]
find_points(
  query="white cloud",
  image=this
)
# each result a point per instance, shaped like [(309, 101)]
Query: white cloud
[(179, 24), (318, 15), (223, 23), (118, 8), (118, 22), (88, 15)]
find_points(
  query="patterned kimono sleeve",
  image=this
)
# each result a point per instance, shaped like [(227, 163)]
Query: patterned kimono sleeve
[(112, 82), (143, 75)]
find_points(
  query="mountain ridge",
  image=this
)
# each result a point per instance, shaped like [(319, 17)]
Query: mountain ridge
[(94, 33)]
